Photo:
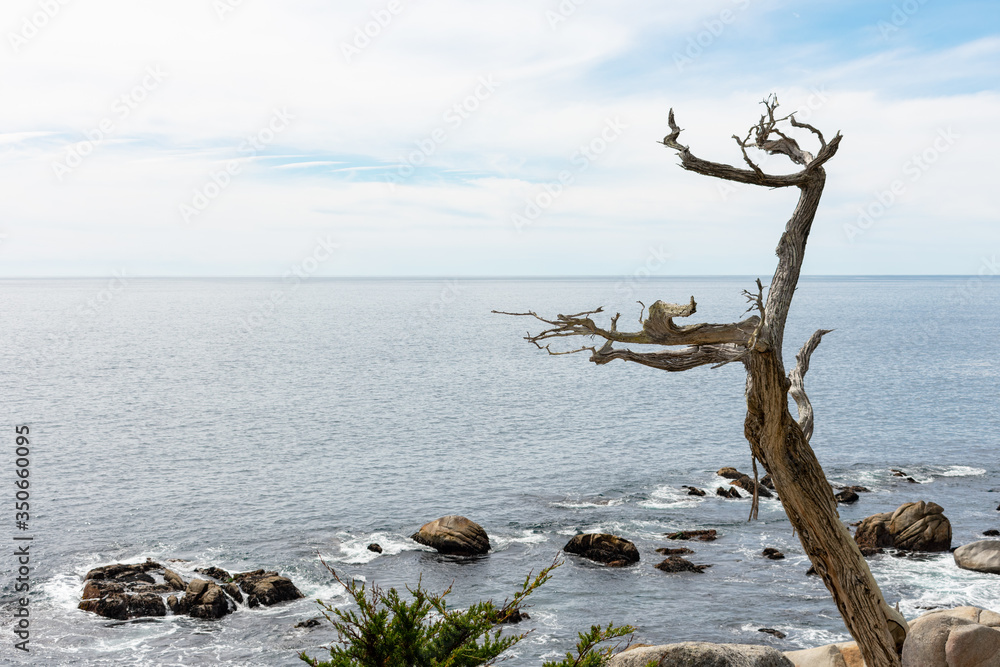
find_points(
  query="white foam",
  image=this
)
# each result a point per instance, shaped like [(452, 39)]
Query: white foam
[(669, 497), (963, 471), (585, 504), (354, 548)]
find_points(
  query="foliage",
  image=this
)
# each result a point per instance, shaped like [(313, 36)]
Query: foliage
[(386, 630)]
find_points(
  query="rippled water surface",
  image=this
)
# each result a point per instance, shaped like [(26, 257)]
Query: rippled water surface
[(194, 419)]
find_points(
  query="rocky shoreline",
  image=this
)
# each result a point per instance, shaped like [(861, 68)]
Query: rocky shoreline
[(961, 636)]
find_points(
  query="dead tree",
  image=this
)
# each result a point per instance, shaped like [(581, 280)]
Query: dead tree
[(777, 440)]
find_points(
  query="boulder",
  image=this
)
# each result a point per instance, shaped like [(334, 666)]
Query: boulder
[(821, 656), (375, 547), (694, 490), (913, 527), (846, 497), (701, 654), (730, 473), (702, 535), (205, 599), (992, 532), (727, 493), (117, 600), (772, 553), (174, 580), (678, 564), (454, 535), (961, 637), (215, 573), (603, 548), (747, 484), (982, 556), (266, 588)]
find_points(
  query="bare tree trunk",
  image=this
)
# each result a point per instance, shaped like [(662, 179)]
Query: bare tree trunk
[(776, 439)]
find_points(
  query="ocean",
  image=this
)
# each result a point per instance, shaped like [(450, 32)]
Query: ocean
[(254, 423)]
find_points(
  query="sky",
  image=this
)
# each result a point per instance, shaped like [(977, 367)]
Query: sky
[(515, 138)]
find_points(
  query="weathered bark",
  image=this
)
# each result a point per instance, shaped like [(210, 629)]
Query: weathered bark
[(776, 439)]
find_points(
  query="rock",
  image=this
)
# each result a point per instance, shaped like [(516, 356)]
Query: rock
[(215, 573), (897, 473), (913, 527), (973, 645), (855, 489), (311, 623), (233, 591), (266, 588), (959, 637), (694, 491), (846, 497), (113, 599), (747, 484), (912, 481), (982, 556), (998, 508), (821, 656), (375, 547), (603, 548), (206, 599), (727, 493), (730, 473), (516, 616), (771, 631), (174, 580), (172, 604), (454, 535), (767, 481), (992, 532), (702, 535), (679, 551), (701, 654), (867, 551), (678, 564), (772, 553), (812, 571), (618, 563)]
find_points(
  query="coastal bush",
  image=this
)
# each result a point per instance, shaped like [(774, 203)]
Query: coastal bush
[(388, 630)]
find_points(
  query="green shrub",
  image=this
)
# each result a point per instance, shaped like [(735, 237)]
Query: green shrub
[(386, 630)]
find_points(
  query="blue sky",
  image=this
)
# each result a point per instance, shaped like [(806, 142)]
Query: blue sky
[(230, 137)]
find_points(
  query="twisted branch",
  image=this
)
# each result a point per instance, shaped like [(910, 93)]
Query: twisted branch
[(797, 388)]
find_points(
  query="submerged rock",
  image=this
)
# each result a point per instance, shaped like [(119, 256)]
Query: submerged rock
[(215, 573), (771, 631), (603, 548), (982, 556), (678, 564), (748, 485), (772, 553), (694, 490), (992, 532), (454, 535), (727, 493), (679, 551), (702, 535), (913, 526), (377, 548)]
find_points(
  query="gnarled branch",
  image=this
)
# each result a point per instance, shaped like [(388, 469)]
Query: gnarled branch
[(657, 329), (797, 388)]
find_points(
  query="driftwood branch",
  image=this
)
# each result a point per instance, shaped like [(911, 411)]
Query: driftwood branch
[(797, 388), (657, 329)]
